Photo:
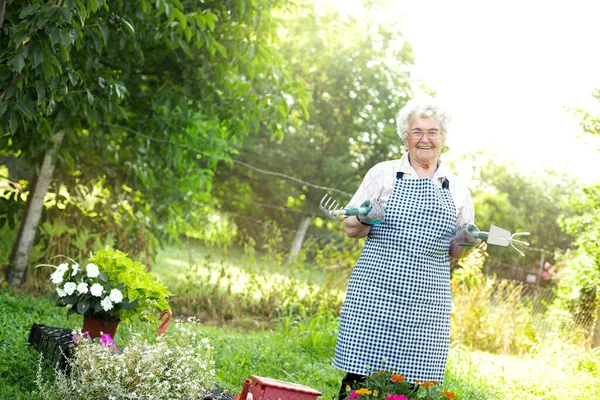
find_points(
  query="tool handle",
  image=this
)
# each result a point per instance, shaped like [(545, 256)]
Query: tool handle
[(358, 211), (475, 232)]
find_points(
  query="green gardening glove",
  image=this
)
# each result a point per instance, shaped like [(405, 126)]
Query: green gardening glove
[(467, 236), (374, 216)]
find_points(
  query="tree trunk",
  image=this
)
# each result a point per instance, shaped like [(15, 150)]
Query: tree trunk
[(596, 337), (2, 11), (299, 238), (18, 261)]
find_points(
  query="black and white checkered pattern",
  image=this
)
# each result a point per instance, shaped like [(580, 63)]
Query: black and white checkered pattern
[(397, 309)]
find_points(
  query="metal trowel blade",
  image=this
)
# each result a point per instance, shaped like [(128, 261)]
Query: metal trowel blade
[(498, 236)]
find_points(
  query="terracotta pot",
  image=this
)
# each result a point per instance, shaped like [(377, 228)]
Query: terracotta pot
[(95, 327)]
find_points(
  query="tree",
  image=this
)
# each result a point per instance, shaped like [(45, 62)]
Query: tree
[(358, 74), (505, 197), (581, 275), (126, 93)]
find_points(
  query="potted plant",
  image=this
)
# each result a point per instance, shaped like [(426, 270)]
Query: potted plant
[(109, 289)]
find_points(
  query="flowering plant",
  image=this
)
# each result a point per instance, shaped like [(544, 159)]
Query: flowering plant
[(387, 385), (110, 287), (179, 365)]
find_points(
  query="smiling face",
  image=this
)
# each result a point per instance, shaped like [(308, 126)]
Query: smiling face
[(425, 140)]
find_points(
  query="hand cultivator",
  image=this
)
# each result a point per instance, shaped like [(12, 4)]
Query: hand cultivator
[(333, 209), (499, 237), (496, 236)]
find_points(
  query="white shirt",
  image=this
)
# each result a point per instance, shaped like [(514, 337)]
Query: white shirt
[(379, 182)]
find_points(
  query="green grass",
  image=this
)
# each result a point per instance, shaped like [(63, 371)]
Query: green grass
[(18, 364), (300, 350), (298, 347)]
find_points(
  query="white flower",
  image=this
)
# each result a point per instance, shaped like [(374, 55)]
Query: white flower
[(106, 303), (96, 290), (116, 296), (61, 293), (70, 288), (57, 276), (63, 267), (92, 270), (82, 288), (76, 269)]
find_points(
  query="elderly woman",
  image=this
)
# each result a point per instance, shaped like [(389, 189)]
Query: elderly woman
[(396, 315)]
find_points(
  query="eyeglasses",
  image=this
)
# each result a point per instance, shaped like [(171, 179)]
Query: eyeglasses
[(430, 134)]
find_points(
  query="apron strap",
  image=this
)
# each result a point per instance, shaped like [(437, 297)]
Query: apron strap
[(445, 184)]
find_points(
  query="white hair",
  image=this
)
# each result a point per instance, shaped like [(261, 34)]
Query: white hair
[(422, 107)]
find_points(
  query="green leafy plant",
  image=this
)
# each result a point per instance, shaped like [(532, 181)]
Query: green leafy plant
[(392, 386), (110, 287)]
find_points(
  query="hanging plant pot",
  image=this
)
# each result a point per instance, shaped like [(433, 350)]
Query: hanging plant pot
[(95, 327)]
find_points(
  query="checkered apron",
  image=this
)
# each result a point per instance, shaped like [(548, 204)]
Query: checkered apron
[(396, 315)]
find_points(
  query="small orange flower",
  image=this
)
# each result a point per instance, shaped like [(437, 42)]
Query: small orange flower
[(449, 395), (427, 384), (364, 391), (397, 378), (417, 381), (435, 382)]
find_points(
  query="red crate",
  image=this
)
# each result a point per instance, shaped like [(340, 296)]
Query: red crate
[(271, 389)]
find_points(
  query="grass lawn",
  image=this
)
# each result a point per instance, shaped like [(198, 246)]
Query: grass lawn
[(300, 349)]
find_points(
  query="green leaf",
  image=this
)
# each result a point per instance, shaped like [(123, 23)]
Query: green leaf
[(65, 38), (220, 48), (70, 4), (54, 36), (41, 92), (19, 37), (63, 53), (73, 77), (210, 21), (83, 306), (3, 107), (27, 107), (128, 26), (90, 97), (47, 70), (28, 10), (14, 123), (129, 305), (72, 299), (105, 33), (92, 5), (102, 276), (5, 73), (97, 42), (10, 92), (17, 62), (43, 16), (38, 56), (65, 14), (180, 17)]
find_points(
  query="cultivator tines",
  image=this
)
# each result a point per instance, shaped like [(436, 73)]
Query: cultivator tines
[(331, 207)]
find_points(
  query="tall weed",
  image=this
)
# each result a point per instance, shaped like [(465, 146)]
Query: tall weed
[(490, 315)]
